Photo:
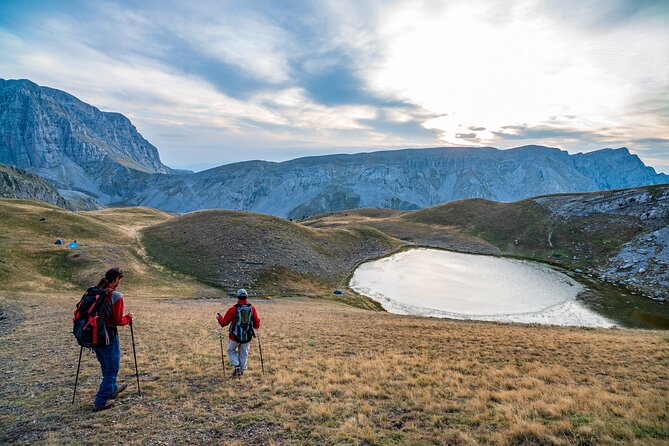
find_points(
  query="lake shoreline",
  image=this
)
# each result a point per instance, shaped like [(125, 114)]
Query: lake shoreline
[(590, 306)]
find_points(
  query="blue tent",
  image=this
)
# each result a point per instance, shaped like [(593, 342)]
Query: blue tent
[(58, 242), (73, 245), (338, 292)]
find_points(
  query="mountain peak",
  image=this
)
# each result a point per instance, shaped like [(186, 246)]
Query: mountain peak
[(81, 148), (45, 129)]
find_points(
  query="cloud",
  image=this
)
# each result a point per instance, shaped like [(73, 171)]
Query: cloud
[(540, 132), (465, 135), (215, 80), (521, 67), (338, 85)]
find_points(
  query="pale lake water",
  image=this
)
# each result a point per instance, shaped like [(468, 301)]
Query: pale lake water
[(429, 282)]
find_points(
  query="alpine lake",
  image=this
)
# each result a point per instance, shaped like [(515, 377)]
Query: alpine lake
[(438, 283)]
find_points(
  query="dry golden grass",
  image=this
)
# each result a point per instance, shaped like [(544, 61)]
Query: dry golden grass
[(29, 260), (354, 377)]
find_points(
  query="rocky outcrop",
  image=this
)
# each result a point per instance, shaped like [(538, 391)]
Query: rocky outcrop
[(642, 265), (644, 204), (22, 184)]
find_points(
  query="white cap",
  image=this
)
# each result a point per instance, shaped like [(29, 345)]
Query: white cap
[(242, 293)]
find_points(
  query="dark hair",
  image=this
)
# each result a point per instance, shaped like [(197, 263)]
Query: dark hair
[(110, 276)]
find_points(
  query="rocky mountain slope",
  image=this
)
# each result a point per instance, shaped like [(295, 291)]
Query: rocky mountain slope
[(68, 141), (96, 157), (402, 179), (641, 263)]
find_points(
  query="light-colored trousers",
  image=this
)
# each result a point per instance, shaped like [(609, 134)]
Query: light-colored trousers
[(238, 353)]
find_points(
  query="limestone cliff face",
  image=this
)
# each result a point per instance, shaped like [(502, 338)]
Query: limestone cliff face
[(98, 157), (49, 131), (401, 179)]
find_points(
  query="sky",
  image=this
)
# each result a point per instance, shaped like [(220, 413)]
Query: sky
[(213, 82)]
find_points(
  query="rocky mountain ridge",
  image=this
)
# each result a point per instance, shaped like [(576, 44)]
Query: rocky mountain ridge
[(66, 140), (401, 179), (97, 158)]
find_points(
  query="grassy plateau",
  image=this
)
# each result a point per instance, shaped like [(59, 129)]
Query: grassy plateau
[(334, 373)]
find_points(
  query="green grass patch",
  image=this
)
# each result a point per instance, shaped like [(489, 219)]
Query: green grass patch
[(580, 420), (644, 431)]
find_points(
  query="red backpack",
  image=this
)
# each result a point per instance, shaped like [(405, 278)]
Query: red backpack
[(90, 328)]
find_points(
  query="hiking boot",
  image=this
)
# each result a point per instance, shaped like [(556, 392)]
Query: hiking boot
[(237, 371), (119, 388), (107, 405)]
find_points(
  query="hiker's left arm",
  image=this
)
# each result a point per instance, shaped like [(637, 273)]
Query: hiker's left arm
[(225, 320)]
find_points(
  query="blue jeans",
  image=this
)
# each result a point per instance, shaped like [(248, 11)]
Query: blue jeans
[(110, 361)]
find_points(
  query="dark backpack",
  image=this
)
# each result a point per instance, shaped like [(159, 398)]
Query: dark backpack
[(243, 327), (90, 328)]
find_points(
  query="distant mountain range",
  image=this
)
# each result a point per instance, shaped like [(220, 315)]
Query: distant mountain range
[(97, 158)]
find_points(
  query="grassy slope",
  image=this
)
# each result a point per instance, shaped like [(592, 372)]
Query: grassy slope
[(591, 239), (482, 226), (30, 260), (271, 255), (356, 378)]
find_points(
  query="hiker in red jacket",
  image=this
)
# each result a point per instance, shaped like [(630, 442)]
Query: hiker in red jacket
[(109, 356), (243, 319)]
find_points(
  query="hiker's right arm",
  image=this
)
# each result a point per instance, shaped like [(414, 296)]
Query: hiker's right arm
[(256, 319), (117, 313), (225, 320)]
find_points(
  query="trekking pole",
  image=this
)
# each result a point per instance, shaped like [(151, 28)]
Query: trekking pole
[(77, 378), (134, 353), (262, 363), (220, 338)]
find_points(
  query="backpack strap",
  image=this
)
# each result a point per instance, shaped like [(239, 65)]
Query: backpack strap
[(107, 305)]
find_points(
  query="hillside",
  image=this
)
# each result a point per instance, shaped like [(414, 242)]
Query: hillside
[(271, 255), (351, 378), (586, 234), (29, 259)]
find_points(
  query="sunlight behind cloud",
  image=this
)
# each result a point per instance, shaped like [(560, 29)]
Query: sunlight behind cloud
[(521, 69), (350, 75)]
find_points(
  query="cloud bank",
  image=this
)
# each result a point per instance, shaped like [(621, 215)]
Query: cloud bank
[(221, 81)]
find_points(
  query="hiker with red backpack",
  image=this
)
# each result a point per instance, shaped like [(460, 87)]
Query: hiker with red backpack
[(96, 319), (243, 319)]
